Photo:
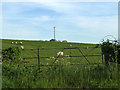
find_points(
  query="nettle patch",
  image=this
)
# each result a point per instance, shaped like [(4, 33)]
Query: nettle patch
[(11, 54), (109, 51)]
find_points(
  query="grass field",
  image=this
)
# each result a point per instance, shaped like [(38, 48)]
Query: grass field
[(19, 75), (52, 52)]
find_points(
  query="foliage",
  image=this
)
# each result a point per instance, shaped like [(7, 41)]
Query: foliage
[(64, 41), (20, 76), (53, 40), (108, 47), (11, 54), (80, 76), (118, 55), (52, 52), (109, 51), (59, 41)]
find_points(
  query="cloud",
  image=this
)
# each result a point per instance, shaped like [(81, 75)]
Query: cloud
[(45, 18), (0, 20), (79, 8), (73, 21), (96, 22), (60, 0), (23, 32), (57, 9), (88, 28)]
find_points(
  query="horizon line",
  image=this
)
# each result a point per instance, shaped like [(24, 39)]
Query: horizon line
[(50, 39)]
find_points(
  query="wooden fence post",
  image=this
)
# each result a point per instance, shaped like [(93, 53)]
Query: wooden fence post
[(118, 56), (102, 57), (70, 56), (38, 60)]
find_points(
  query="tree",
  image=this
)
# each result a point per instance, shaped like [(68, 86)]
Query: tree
[(108, 50), (53, 40)]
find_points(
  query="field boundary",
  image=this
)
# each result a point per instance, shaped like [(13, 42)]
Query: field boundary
[(56, 57)]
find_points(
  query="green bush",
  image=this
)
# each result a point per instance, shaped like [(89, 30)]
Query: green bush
[(64, 41), (118, 54), (109, 51), (11, 54), (53, 40)]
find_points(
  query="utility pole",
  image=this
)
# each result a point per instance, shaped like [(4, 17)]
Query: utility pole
[(54, 32)]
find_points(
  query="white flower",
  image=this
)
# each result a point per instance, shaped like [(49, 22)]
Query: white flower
[(53, 57)]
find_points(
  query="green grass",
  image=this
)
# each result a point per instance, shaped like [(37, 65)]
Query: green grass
[(22, 75), (60, 77), (52, 52)]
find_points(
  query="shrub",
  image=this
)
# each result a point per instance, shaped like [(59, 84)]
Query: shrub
[(108, 49), (118, 54), (46, 40), (11, 54), (59, 41), (64, 41), (53, 40)]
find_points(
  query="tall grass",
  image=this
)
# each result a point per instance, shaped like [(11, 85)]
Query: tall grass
[(18, 76)]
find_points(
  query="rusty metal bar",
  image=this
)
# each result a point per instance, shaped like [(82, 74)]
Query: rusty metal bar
[(57, 57), (68, 48), (70, 64), (70, 56), (57, 65), (61, 48), (60, 56), (30, 49), (30, 57), (83, 55)]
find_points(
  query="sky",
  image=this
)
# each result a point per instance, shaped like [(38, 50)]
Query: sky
[(74, 21)]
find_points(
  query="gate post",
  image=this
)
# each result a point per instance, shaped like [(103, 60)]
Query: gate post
[(102, 57), (70, 56), (38, 60), (118, 56)]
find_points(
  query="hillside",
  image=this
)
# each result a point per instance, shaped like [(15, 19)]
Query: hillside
[(34, 44), (49, 51)]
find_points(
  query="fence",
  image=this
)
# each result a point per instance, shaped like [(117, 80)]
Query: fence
[(70, 56)]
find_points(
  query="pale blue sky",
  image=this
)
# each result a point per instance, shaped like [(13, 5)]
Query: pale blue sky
[(74, 21)]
